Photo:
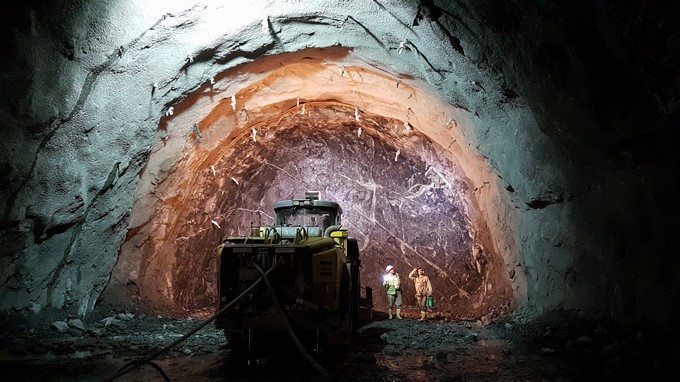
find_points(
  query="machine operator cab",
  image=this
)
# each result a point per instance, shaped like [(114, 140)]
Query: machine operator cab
[(315, 215)]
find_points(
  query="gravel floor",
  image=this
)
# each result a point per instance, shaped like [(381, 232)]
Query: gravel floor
[(548, 349)]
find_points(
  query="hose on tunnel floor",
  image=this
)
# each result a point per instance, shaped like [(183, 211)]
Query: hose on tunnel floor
[(133, 365), (288, 327), (152, 364)]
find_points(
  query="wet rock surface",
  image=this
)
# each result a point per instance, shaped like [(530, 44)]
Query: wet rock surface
[(558, 347)]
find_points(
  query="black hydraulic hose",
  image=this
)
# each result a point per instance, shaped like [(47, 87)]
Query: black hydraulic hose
[(285, 321), (137, 364), (143, 361)]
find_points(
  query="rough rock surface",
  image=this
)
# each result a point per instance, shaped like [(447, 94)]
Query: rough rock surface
[(404, 209), (570, 110)]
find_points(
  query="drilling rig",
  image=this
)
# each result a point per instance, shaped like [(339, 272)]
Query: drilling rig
[(300, 275)]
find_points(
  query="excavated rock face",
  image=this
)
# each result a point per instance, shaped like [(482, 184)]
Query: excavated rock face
[(405, 198), (518, 152), (405, 209)]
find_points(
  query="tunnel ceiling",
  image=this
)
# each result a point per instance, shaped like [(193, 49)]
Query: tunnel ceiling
[(518, 121)]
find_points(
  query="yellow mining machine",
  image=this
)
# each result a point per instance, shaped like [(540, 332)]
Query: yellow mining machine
[(299, 275)]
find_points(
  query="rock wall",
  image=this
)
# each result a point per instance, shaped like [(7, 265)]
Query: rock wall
[(561, 102)]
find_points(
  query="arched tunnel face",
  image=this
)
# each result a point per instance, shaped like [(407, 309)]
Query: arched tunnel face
[(404, 199), (404, 204)]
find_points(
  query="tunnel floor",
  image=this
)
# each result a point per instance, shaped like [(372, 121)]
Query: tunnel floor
[(550, 349)]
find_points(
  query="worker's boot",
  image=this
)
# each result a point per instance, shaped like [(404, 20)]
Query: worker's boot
[(423, 316), (390, 312), (399, 313)]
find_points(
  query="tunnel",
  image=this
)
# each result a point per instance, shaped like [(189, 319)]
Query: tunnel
[(521, 154), (313, 125)]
